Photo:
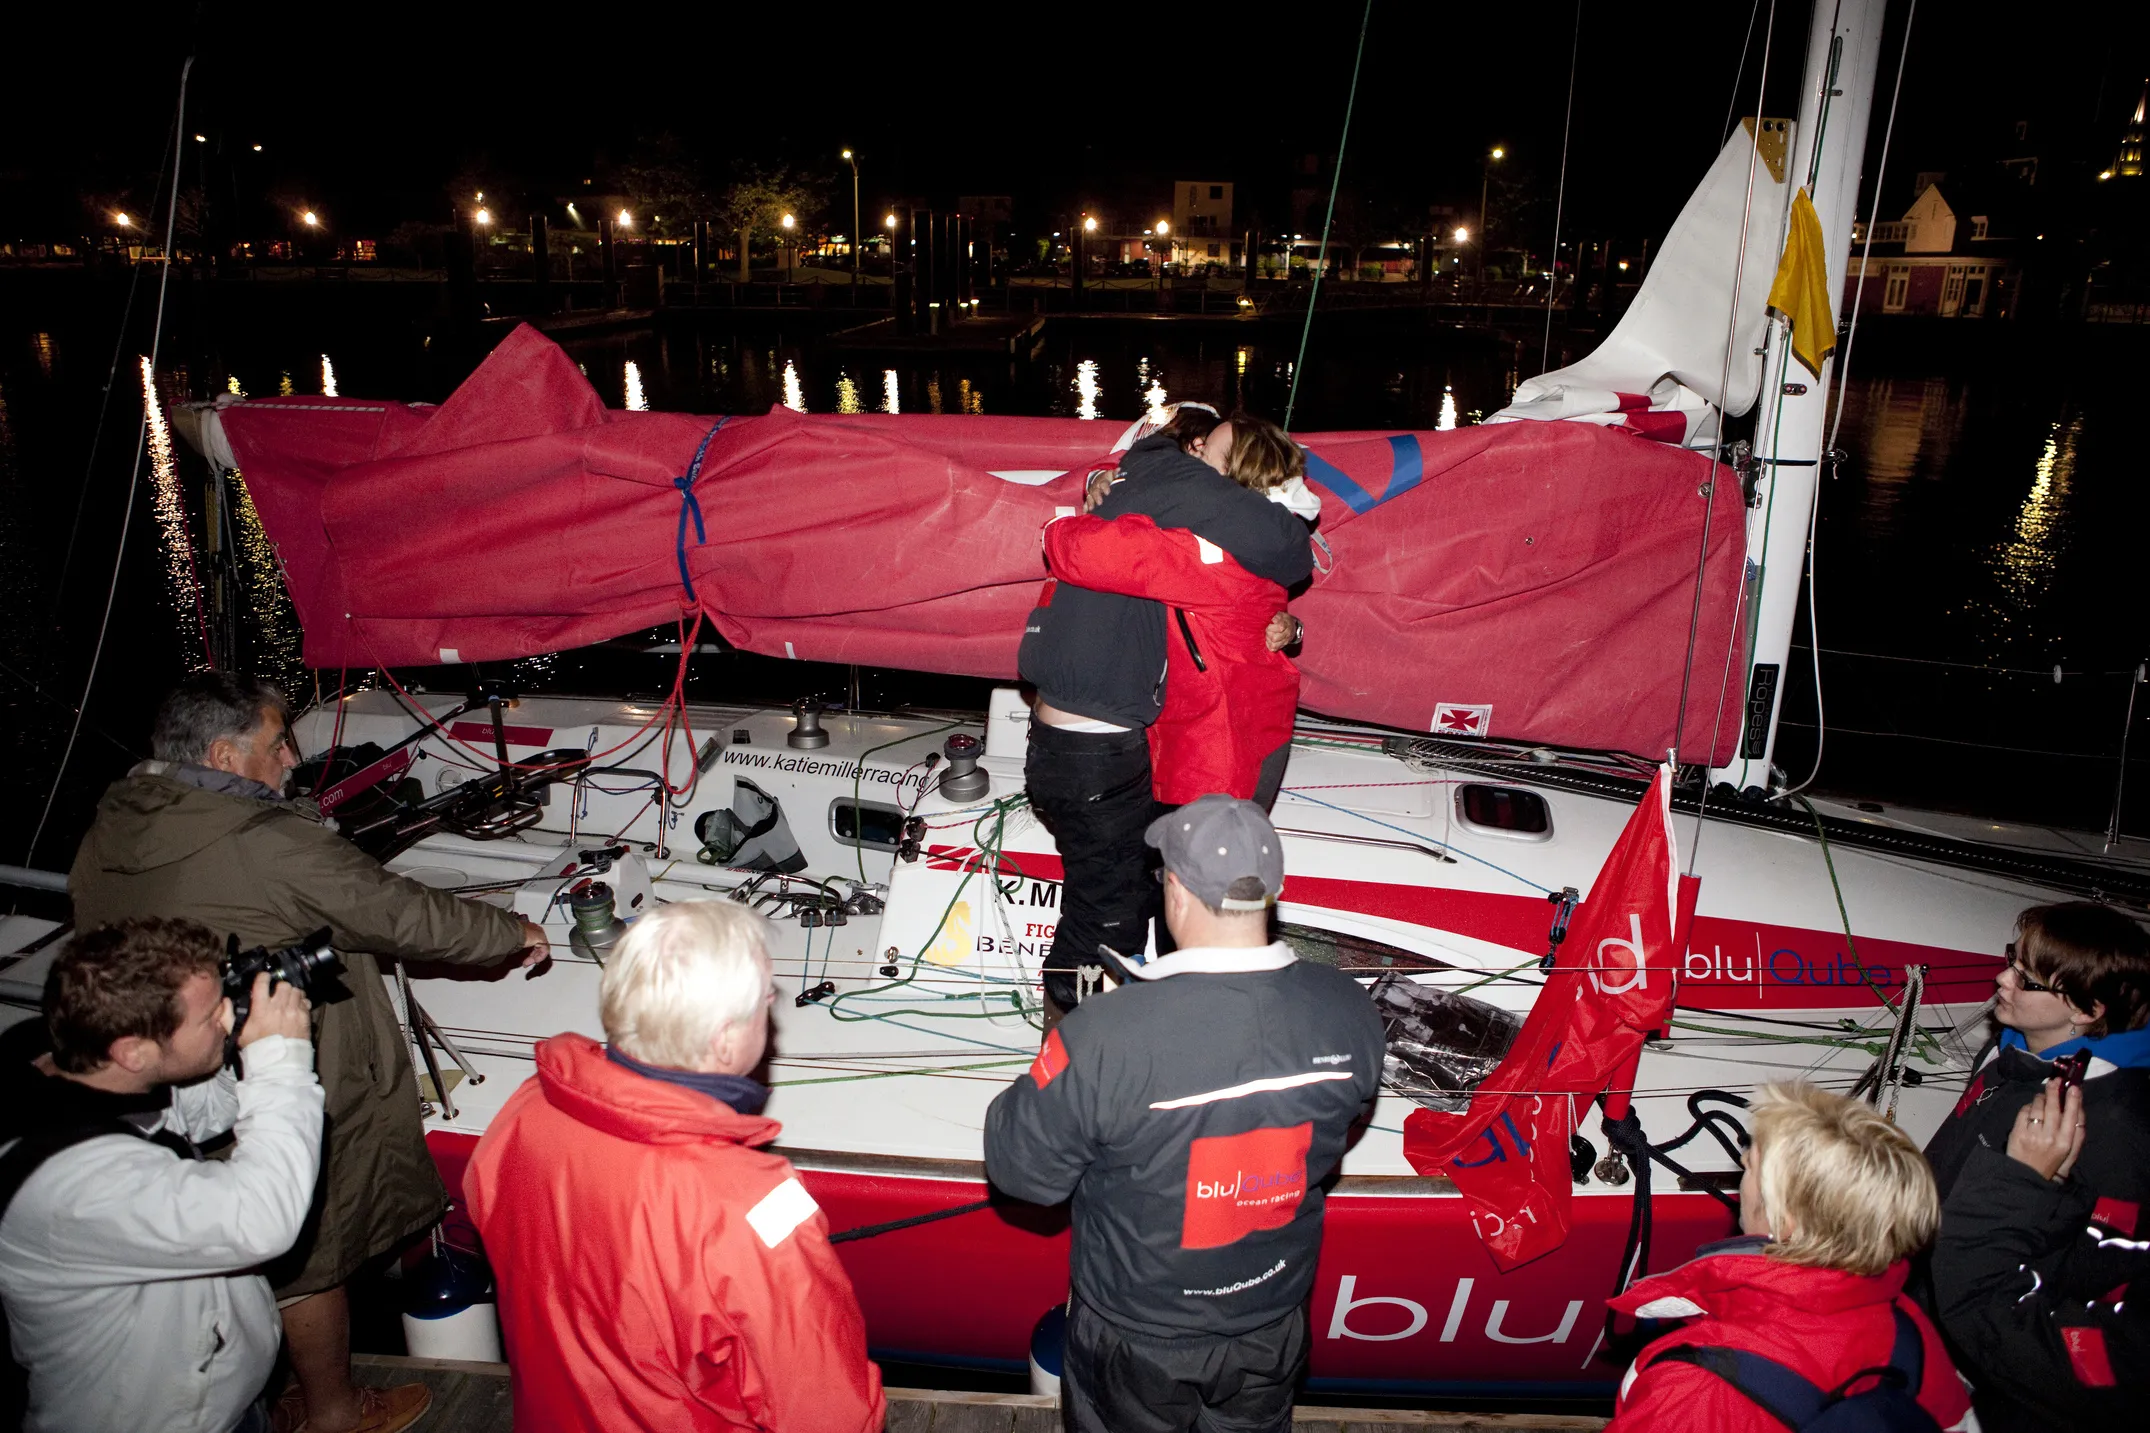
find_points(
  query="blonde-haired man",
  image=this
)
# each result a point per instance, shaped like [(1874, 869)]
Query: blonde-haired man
[(1802, 1310), (658, 1269)]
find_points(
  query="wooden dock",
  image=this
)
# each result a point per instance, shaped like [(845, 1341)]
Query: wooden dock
[(473, 1398)]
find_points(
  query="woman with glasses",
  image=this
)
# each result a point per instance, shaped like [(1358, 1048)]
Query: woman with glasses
[(2044, 1172)]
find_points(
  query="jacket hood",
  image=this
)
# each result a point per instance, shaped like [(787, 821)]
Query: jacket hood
[(150, 818), (583, 1084), (1739, 1281), (2123, 1049)]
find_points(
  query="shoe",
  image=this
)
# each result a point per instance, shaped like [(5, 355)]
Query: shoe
[(388, 1410)]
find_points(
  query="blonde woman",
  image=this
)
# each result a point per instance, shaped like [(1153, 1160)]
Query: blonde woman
[(1806, 1309)]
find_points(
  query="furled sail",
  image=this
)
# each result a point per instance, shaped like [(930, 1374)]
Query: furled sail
[(1528, 580)]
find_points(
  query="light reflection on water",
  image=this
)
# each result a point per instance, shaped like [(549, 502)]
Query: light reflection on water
[(1447, 420), (636, 403), (2024, 562), (280, 640), (1086, 388), (847, 394), (328, 378), (794, 391), (891, 402), (174, 526)]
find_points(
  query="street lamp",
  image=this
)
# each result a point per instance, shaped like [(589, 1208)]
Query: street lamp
[(852, 160), (1485, 185), (1463, 236), (624, 219), (123, 220), (484, 217), (310, 219)]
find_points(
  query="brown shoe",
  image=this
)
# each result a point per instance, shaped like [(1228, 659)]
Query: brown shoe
[(389, 1410)]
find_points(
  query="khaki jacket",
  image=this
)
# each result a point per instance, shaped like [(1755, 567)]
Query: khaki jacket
[(271, 873)]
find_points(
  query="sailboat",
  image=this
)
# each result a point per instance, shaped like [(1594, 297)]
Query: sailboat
[(1513, 625)]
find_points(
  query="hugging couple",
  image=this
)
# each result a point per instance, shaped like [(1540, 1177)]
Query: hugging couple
[(1157, 649)]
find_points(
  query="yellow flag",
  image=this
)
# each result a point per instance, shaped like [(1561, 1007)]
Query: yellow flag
[(1801, 291)]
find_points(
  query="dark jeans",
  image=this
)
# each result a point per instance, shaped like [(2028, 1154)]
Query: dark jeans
[(1114, 1380), (1092, 791)]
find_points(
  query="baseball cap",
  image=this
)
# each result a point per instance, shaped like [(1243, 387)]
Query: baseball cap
[(1222, 849)]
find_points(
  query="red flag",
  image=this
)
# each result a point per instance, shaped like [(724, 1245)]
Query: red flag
[(1612, 982)]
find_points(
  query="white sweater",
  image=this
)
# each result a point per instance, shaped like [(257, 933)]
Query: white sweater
[(128, 1272)]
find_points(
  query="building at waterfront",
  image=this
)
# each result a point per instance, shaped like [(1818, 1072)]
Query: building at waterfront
[(1944, 259), (1202, 222)]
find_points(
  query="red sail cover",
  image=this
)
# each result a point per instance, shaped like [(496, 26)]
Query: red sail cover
[(1529, 580)]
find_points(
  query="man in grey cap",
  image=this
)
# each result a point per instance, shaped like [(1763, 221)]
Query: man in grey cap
[(1192, 1117)]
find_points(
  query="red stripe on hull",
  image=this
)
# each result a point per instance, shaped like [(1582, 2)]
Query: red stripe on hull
[(1404, 1289), (1729, 964)]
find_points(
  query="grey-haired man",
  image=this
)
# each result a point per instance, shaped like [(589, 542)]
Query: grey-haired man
[(1192, 1117)]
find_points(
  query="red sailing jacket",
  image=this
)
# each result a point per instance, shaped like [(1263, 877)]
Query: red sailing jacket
[(657, 1270), (1225, 711), (1823, 1324)]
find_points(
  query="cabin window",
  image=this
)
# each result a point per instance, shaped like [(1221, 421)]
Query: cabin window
[(1216, 191), (1353, 954), (1505, 811), (876, 825)]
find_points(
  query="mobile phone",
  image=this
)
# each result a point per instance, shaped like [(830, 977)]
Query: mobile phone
[(2069, 1069)]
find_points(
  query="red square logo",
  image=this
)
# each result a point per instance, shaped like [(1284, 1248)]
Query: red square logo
[(2117, 1214), (1238, 1183), (1052, 1059)]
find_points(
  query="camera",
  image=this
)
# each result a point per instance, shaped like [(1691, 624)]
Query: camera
[(310, 965)]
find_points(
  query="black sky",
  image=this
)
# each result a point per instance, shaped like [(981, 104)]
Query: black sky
[(374, 111)]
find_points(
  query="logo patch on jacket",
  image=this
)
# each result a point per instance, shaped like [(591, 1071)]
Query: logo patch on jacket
[(780, 1211), (1240, 1183), (1052, 1059), (2086, 1351), (2117, 1214)]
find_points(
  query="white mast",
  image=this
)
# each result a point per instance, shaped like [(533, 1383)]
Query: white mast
[(1828, 145)]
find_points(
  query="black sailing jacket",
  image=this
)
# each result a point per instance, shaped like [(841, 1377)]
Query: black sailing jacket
[(1101, 655), (2043, 1288), (1193, 1117)]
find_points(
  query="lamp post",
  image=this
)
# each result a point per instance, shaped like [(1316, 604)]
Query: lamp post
[(1485, 186), (852, 160), (789, 249)]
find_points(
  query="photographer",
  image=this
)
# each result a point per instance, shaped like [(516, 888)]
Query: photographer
[(127, 1262), (203, 831)]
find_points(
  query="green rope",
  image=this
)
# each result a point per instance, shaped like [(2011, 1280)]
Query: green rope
[(858, 775), (1328, 219), (898, 1074)]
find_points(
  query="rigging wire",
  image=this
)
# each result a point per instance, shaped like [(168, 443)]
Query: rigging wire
[(1560, 200), (1335, 179), (1843, 383), (1731, 107), (134, 472)]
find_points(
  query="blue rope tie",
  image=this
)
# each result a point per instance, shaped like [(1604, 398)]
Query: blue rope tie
[(690, 506)]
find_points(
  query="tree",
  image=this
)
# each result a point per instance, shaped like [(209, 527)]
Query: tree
[(755, 204), (664, 179)]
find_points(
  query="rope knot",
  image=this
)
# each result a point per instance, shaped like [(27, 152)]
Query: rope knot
[(691, 507)]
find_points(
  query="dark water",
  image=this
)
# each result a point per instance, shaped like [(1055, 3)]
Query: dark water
[(1990, 515)]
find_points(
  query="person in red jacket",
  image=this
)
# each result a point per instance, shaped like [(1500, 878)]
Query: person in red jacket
[(658, 1269), (1834, 1203), (1230, 693)]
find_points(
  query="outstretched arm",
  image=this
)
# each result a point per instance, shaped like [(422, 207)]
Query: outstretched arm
[(1135, 558)]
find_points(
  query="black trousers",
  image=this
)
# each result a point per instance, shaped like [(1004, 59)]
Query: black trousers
[(1092, 791), (1114, 1380)]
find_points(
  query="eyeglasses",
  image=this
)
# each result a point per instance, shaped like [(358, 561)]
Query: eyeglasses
[(2024, 981)]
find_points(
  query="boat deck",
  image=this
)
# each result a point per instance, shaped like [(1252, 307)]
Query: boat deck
[(473, 1398)]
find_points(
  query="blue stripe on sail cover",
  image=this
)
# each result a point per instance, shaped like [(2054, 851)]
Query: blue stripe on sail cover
[(1407, 467)]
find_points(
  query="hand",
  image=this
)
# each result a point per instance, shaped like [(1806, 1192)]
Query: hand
[(278, 1009), (1094, 490), (537, 946), (2048, 1136), (1284, 631)]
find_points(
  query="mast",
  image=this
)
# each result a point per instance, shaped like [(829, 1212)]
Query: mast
[(1828, 146)]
